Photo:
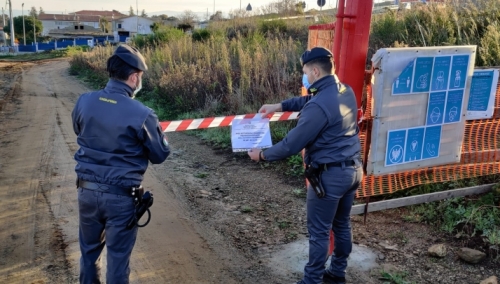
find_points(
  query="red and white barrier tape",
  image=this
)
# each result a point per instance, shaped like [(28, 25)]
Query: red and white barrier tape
[(221, 121)]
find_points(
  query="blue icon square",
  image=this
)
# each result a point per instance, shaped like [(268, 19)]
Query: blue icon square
[(414, 142), (441, 73), (422, 78), (458, 74), (435, 108), (395, 147), (402, 84), (432, 142), (454, 102)]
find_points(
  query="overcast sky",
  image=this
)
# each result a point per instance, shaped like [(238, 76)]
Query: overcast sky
[(151, 6)]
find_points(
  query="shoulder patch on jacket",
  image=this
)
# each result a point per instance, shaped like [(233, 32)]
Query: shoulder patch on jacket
[(107, 100)]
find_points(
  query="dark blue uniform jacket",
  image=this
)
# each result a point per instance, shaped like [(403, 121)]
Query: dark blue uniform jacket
[(327, 127), (117, 136)]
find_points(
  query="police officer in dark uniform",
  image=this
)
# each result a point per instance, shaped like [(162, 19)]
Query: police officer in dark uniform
[(118, 136), (327, 129)]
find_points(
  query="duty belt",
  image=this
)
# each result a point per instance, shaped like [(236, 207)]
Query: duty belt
[(113, 189), (348, 163)]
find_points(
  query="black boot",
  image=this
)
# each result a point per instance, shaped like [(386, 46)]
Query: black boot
[(331, 279)]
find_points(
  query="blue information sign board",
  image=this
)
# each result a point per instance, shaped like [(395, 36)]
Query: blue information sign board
[(443, 80), (441, 73), (395, 147), (422, 78), (458, 74), (435, 108), (432, 141), (402, 84), (454, 102), (480, 90), (414, 143)]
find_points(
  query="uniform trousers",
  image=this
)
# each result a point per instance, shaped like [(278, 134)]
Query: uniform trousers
[(331, 212), (103, 221)]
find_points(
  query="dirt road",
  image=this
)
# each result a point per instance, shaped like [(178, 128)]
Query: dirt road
[(38, 209)]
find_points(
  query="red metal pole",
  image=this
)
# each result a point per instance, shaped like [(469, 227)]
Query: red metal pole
[(337, 39), (354, 48), (350, 47)]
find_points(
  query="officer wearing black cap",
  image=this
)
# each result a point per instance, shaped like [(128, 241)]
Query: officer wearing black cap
[(327, 128), (118, 136)]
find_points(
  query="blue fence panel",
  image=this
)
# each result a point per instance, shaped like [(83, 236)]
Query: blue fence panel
[(64, 44), (26, 48), (123, 38), (100, 39), (81, 42), (46, 46)]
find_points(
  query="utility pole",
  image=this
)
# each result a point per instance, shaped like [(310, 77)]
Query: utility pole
[(137, 15), (3, 16), (24, 29), (12, 36)]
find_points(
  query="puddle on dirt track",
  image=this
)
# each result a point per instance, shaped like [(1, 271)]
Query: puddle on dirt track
[(291, 258)]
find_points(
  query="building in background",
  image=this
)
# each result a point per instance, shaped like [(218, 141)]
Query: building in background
[(87, 18), (131, 26), (3, 36)]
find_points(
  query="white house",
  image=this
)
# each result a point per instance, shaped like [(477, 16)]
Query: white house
[(88, 18), (62, 21), (131, 26)]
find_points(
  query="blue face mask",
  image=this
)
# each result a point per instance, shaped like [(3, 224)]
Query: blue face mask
[(305, 82)]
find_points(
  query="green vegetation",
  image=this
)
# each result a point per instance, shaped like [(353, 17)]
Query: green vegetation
[(394, 277), (299, 192), (201, 175), (458, 23), (284, 224), (246, 209), (468, 217), (29, 24)]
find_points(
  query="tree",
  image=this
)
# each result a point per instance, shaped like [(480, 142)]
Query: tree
[(143, 13), (163, 17), (300, 6), (217, 16), (29, 23), (131, 11), (282, 7), (33, 13), (187, 20), (104, 24), (155, 26), (41, 11), (6, 18)]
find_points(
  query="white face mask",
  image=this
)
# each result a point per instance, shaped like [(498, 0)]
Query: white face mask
[(139, 87)]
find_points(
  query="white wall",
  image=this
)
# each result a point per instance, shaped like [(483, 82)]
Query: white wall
[(130, 25), (53, 24)]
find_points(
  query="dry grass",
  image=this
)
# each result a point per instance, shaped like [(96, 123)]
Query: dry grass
[(235, 66)]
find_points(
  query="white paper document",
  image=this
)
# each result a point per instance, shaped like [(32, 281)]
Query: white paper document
[(250, 133)]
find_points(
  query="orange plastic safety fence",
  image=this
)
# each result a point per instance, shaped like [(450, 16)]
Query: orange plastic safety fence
[(321, 36), (480, 156)]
